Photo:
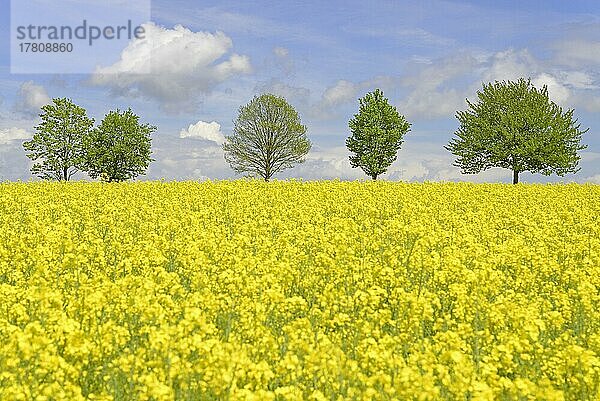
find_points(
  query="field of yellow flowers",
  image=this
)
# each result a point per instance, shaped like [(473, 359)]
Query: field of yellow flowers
[(299, 291)]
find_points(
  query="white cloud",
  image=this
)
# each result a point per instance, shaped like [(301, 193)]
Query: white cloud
[(578, 80), (7, 135), (343, 91), (203, 130), (31, 97), (173, 66), (14, 164), (510, 65), (557, 92), (568, 88)]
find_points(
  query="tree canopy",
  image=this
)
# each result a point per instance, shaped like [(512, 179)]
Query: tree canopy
[(377, 134), (516, 126), (57, 147), (268, 137), (119, 148)]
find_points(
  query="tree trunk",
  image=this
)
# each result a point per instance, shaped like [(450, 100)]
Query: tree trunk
[(66, 173), (374, 177), (515, 177)]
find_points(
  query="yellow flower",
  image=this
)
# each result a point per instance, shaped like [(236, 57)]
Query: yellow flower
[(243, 290)]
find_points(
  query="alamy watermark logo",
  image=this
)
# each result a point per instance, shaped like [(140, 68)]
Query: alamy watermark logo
[(73, 36)]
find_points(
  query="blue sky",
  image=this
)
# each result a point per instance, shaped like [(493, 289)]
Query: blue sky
[(210, 57)]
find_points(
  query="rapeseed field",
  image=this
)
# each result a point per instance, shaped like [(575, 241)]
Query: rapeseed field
[(245, 290)]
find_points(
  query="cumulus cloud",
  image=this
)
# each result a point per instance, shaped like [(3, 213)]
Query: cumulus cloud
[(31, 97), (568, 88), (8, 135), (510, 65), (205, 131), (173, 66), (557, 92)]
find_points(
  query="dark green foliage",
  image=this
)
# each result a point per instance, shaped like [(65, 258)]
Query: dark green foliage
[(377, 134), (119, 148)]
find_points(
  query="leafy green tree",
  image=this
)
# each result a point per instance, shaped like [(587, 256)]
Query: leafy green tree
[(268, 137), (377, 134), (57, 147), (119, 148), (514, 125)]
